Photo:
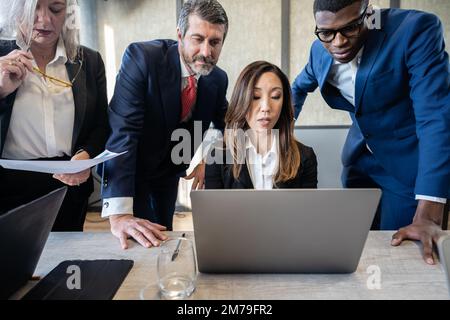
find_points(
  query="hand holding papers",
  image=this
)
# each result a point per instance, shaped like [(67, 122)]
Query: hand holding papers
[(58, 167)]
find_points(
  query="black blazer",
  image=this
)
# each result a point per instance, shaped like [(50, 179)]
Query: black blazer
[(220, 176), (90, 128)]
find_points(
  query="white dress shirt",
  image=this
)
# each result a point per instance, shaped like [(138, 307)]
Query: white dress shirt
[(43, 115), (117, 206), (262, 168), (343, 77)]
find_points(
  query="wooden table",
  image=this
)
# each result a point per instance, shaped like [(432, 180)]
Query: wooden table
[(404, 275)]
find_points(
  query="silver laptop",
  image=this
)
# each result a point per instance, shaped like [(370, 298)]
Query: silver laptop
[(444, 256), (282, 231)]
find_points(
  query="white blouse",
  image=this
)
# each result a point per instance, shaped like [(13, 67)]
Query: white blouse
[(262, 168), (43, 115)]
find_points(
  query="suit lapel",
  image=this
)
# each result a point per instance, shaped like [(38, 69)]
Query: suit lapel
[(327, 62), (206, 99), (170, 86), (371, 49), (79, 90)]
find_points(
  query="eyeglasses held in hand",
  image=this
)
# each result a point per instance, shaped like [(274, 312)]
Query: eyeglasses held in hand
[(59, 82)]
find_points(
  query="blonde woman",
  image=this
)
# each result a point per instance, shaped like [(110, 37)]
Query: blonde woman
[(52, 104)]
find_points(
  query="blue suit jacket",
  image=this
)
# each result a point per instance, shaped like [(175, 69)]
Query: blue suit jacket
[(146, 109), (402, 100)]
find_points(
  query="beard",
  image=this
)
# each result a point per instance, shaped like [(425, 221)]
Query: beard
[(205, 69)]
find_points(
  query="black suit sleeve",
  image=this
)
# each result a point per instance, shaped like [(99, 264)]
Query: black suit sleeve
[(126, 118), (95, 143)]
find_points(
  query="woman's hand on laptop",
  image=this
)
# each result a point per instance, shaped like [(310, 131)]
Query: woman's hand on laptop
[(426, 227), (146, 233)]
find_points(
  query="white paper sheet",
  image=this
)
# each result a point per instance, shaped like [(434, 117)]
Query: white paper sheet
[(58, 167)]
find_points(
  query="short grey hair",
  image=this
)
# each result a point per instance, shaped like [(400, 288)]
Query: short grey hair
[(208, 10), (17, 24)]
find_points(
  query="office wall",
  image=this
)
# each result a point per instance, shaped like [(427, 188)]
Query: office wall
[(89, 30), (120, 23), (255, 34)]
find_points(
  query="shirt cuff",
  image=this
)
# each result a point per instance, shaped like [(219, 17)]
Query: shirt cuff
[(117, 206), (433, 199)]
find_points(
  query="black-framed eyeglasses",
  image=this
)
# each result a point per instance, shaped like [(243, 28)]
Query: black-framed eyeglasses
[(351, 30)]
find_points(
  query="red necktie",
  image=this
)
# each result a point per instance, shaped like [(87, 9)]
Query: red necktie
[(188, 97)]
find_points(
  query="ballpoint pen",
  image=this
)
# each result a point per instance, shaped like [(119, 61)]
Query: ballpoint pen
[(177, 249)]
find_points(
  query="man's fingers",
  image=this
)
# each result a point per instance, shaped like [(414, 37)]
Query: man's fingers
[(398, 238), (156, 229), (123, 241), (428, 250), (139, 237), (150, 235)]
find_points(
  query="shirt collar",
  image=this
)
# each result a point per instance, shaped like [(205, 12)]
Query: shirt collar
[(60, 54)]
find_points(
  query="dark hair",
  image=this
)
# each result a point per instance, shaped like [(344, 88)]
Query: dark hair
[(335, 5), (240, 105), (208, 10)]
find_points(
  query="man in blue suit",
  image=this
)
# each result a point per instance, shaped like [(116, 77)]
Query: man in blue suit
[(162, 86), (393, 78)]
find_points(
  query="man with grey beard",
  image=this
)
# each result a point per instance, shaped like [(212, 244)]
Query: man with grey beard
[(162, 86)]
